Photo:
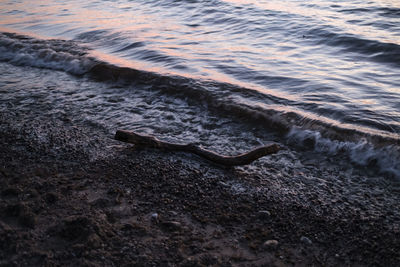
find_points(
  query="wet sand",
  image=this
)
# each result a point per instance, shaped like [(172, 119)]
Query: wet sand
[(71, 195)]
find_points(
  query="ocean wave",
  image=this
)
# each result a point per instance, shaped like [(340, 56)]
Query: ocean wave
[(244, 104), (389, 12), (385, 159), (372, 49), (271, 111), (51, 54), (117, 43)]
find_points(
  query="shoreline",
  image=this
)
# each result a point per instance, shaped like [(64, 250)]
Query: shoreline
[(70, 195)]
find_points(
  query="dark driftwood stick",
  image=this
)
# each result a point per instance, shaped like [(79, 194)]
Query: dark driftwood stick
[(150, 141)]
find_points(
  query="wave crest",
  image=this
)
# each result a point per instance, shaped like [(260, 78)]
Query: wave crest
[(51, 54), (385, 159)]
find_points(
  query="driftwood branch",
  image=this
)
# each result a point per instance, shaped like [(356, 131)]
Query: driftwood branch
[(242, 159)]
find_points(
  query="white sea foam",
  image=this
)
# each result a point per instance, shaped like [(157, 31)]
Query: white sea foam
[(51, 54), (386, 158)]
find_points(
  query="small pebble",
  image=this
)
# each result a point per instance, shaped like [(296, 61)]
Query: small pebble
[(154, 216), (264, 214), (305, 240), (271, 244), (223, 184), (173, 213)]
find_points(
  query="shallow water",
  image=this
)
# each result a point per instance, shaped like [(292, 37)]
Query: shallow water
[(323, 75)]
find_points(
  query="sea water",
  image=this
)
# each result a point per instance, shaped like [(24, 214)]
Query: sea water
[(318, 77)]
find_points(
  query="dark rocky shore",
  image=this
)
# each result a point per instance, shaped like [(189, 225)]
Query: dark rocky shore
[(71, 196)]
